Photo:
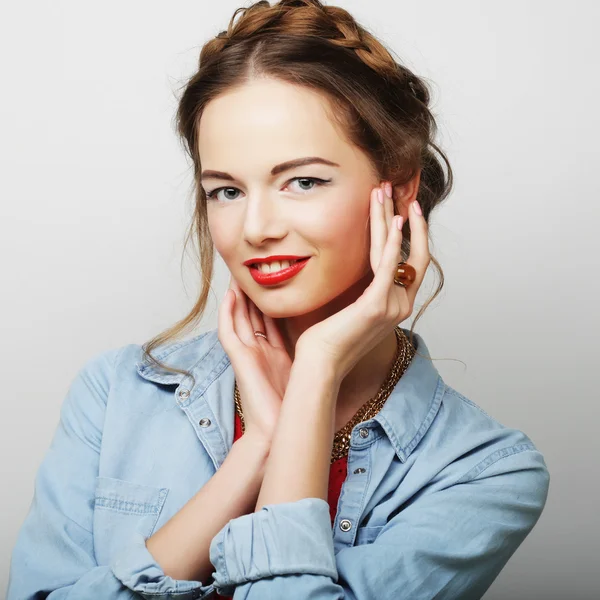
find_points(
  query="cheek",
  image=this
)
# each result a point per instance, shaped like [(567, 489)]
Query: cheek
[(223, 237), (344, 226)]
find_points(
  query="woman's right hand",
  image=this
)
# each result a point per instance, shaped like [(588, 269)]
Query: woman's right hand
[(261, 367)]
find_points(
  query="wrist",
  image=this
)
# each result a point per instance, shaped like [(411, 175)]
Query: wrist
[(255, 443), (318, 370)]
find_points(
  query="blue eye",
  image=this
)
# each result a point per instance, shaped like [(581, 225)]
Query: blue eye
[(213, 194), (318, 182), (314, 180)]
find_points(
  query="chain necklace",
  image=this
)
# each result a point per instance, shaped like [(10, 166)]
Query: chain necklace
[(341, 441)]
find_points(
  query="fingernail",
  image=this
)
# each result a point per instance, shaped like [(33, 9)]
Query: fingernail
[(417, 208), (380, 195), (399, 222), (388, 189)]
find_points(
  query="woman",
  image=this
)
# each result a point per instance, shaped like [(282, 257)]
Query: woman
[(307, 447)]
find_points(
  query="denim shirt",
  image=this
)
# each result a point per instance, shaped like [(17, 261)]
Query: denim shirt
[(438, 495)]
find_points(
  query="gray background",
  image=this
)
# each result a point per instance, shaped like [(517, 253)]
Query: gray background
[(94, 202)]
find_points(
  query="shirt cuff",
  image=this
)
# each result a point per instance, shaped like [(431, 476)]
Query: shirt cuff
[(137, 569), (290, 538)]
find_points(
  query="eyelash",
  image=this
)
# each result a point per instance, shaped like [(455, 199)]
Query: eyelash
[(319, 182)]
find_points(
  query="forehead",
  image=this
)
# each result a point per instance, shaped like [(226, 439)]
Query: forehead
[(268, 121)]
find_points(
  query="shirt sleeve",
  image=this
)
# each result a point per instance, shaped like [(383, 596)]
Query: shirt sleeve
[(446, 544), (54, 553)]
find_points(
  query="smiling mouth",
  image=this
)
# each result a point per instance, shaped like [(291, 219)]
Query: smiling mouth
[(280, 273), (275, 266)]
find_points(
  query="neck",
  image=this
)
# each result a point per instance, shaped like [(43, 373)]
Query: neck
[(366, 377)]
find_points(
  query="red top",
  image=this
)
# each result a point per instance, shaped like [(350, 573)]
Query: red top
[(337, 475)]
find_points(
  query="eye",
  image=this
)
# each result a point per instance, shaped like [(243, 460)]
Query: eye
[(314, 180), (214, 193), (318, 182)]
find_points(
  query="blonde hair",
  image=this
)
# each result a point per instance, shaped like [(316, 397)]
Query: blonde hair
[(381, 105)]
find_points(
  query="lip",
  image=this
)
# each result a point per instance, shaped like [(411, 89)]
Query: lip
[(273, 257), (279, 276)]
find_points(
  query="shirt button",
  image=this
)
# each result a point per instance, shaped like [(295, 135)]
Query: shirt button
[(359, 470), (204, 422), (363, 432), (183, 394), (345, 525)]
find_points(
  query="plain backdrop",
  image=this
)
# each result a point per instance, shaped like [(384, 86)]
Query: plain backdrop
[(94, 190)]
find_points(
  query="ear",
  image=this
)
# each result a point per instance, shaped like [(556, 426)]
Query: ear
[(405, 194)]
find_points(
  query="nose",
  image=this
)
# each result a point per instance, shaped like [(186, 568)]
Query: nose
[(263, 219)]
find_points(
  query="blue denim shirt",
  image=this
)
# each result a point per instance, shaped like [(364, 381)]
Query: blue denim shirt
[(438, 496)]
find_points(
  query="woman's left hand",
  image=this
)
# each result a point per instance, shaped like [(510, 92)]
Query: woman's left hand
[(342, 339)]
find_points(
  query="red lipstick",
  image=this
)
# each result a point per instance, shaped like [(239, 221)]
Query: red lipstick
[(271, 258), (278, 276)]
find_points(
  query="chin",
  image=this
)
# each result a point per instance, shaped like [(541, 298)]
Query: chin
[(293, 305), (277, 307), (282, 312)]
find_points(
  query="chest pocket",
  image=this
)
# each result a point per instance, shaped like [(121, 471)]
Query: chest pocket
[(122, 508)]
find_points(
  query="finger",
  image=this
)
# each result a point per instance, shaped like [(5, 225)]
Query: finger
[(388, 204), (227, 335), (384, 277), (241, 319), (273, 333), (419, 256), (378, 228), (256, 320)]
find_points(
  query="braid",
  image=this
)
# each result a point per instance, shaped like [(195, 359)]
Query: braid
[(312, 18)]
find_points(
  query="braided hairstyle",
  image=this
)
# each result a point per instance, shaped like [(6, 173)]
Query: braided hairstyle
[(379, 104)]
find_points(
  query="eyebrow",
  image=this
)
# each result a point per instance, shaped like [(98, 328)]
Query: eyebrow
[(277, 169)]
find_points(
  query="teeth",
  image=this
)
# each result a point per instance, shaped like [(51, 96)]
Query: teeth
[(276, 265)]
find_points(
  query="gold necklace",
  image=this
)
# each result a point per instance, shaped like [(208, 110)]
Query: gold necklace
[(341, 441)]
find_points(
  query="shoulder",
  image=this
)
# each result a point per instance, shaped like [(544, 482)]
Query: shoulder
[(480, 444), (116, 380), (466, 417), (129, 364), (128, 360)]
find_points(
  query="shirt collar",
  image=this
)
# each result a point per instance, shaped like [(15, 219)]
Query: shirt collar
[(405, 417)]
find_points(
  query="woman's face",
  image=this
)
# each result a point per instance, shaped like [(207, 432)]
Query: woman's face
[(255, 213)]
